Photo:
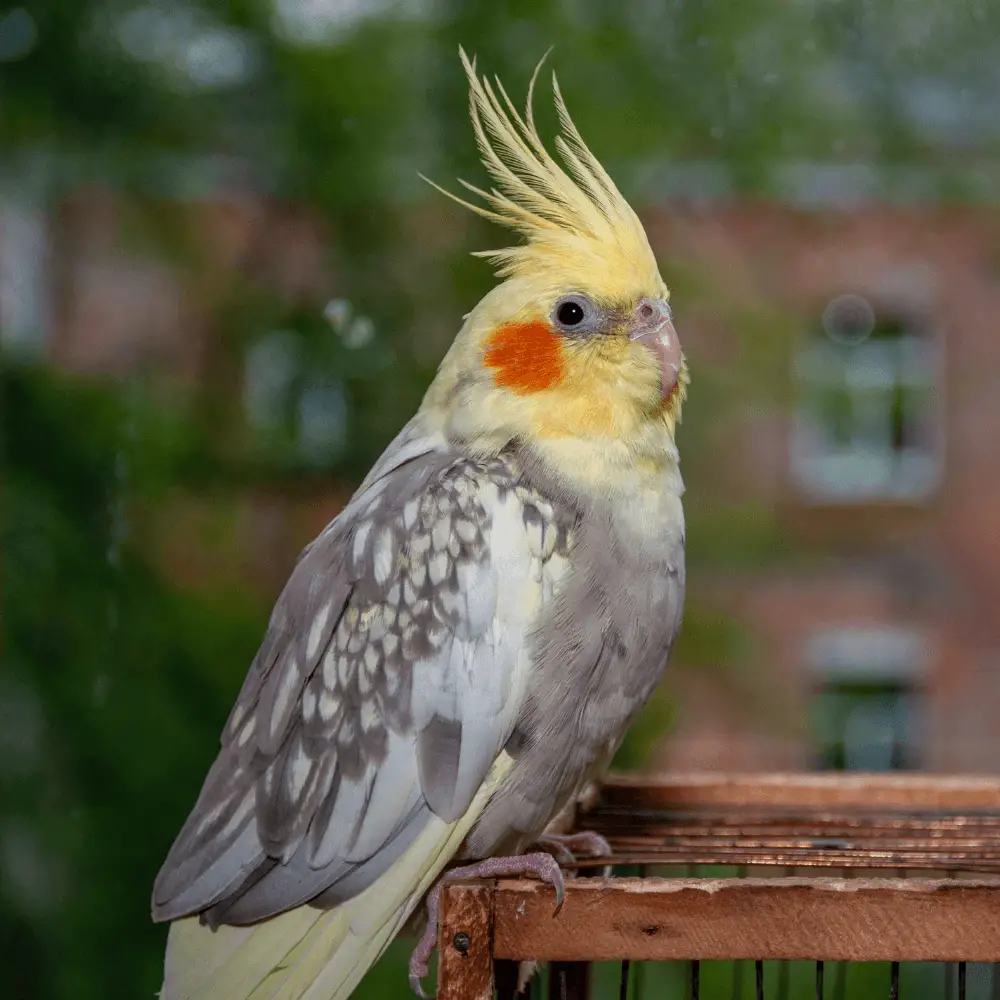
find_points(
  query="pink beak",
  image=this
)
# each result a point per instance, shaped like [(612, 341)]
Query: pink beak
[(652, 326)]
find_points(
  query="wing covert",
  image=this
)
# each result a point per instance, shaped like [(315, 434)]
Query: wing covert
[(388, 682)]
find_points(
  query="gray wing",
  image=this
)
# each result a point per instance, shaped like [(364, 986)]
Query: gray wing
[(388, 681)]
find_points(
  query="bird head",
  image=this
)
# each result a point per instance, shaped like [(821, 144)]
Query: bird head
[(576, 346)]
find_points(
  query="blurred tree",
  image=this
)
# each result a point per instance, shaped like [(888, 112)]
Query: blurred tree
[(113, 685)]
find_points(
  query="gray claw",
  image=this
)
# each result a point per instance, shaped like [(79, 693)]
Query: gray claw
[(416, 983), (559, 884), (418, 987)]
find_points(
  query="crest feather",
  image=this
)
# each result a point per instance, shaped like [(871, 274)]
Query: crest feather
[(573, 215)]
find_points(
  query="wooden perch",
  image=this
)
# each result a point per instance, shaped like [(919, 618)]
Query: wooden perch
[(930, 824)]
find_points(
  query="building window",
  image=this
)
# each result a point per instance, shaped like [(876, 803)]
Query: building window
[(866, 704), (867, 423)]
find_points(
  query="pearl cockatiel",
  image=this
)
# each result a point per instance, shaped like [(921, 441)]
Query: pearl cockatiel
[(465, 644)]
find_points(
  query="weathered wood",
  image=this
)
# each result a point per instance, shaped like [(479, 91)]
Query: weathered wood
[(922, 792), (910, 822), (465, 942), (863, 920), (922, 822)]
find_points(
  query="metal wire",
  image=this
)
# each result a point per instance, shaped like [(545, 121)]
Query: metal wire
[(564, 987)]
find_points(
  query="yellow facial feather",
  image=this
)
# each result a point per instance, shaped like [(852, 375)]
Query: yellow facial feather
[(591, 407)]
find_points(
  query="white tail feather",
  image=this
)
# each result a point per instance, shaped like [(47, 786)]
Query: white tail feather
[(311, 954)]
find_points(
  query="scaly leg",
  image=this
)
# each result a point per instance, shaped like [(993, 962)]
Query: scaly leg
[(541, 865)]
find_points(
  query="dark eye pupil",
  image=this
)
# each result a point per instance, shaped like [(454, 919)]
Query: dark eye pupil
[(570, 313)]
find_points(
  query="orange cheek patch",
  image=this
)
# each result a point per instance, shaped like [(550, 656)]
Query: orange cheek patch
[(527, 357)]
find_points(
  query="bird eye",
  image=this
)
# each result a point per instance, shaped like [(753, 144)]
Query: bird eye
[(573, 312), (570, 313)]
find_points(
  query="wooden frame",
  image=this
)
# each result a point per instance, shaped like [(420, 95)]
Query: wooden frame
[(946, 919), (823, 790)]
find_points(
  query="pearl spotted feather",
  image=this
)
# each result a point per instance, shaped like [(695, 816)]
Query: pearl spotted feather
[(391, 677)]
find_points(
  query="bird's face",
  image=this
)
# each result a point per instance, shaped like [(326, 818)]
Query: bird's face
[(580, 343), (554, 359), (575, 352)]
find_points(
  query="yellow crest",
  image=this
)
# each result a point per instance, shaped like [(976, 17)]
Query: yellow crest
[(576, 223)]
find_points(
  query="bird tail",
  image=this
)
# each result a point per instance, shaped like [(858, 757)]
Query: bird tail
[(308, 953)]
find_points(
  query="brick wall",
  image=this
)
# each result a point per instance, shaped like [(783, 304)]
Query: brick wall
[(933, 566)]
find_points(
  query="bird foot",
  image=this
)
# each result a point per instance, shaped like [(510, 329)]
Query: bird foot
[(567, 847), (542, 865)]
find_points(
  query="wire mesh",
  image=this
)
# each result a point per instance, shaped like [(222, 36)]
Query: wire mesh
[(808, 980)]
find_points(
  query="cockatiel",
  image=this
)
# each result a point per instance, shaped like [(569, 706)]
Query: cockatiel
[(465, 644)]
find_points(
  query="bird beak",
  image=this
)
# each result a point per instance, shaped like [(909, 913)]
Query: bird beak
[(652, 326)]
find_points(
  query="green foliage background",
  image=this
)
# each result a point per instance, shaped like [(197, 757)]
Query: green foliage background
[(114, 681)]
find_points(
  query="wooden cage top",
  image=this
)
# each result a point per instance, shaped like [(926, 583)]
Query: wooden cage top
[(941, 831), (896, 821)]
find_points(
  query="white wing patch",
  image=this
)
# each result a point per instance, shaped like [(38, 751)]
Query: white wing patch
[(399, 657)]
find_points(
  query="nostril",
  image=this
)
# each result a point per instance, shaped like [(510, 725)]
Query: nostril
[(646, 311)]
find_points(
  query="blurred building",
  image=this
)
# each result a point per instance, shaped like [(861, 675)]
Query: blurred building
[(880, 650), (883, 650), (85, 283)]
